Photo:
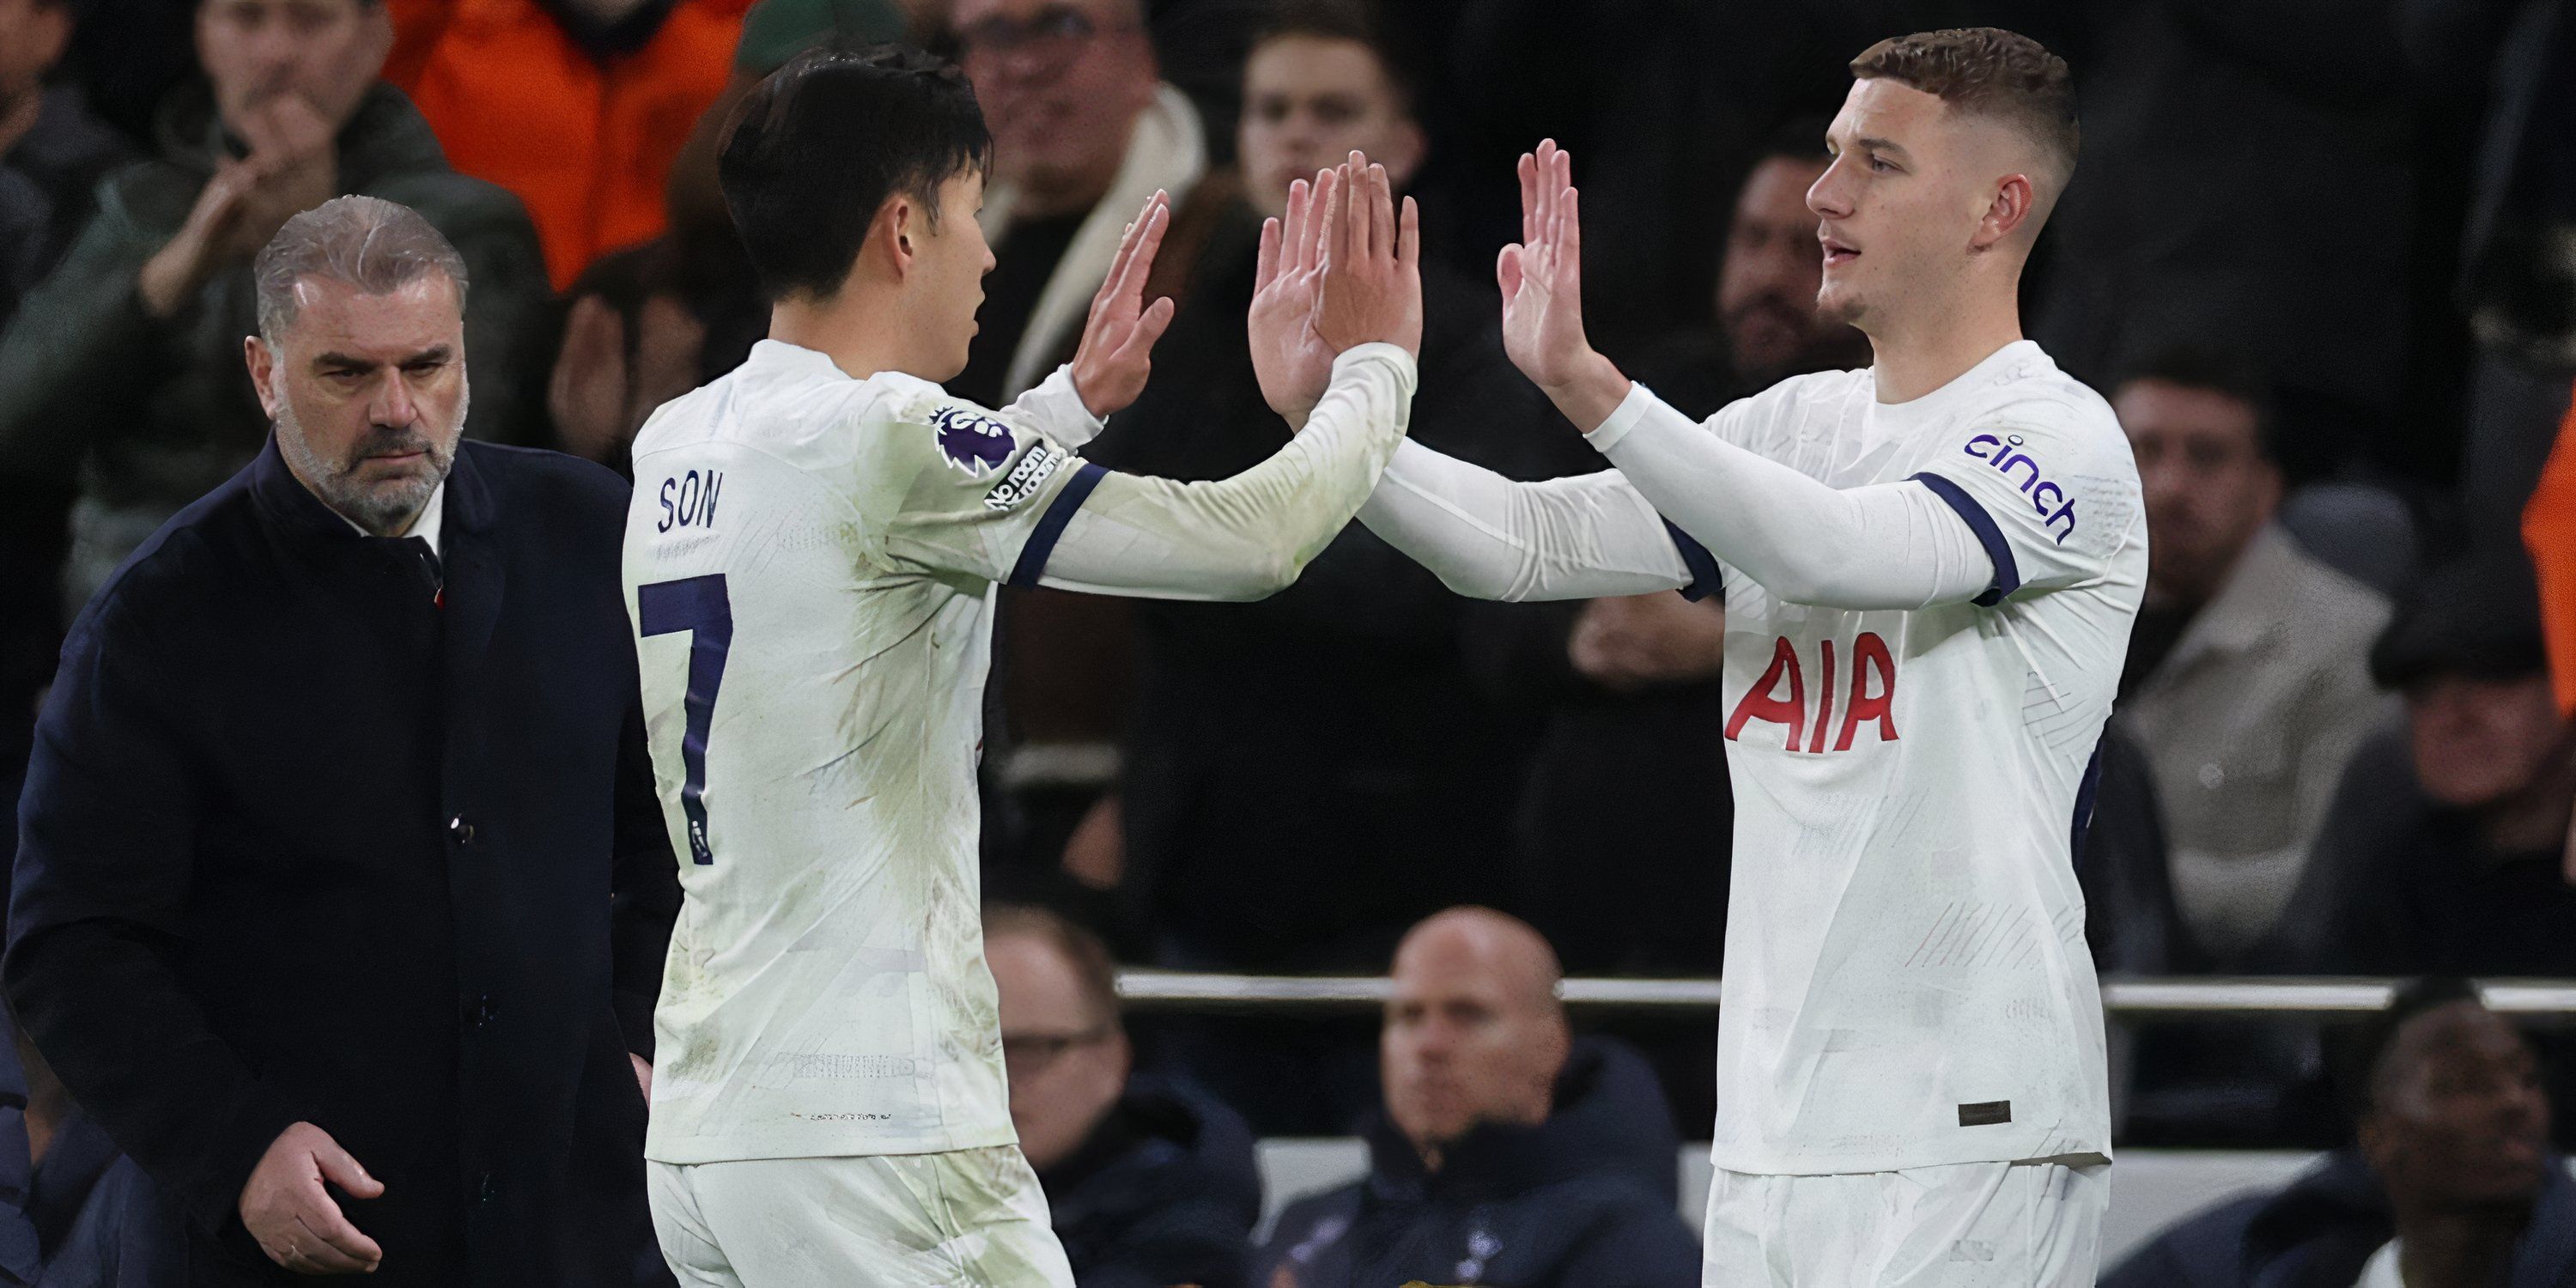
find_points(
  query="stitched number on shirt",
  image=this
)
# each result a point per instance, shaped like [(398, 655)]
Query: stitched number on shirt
[(696, 605)]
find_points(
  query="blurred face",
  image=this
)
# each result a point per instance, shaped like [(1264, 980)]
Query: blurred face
[(32, 36), (1308, 102), (1903, 205), (1067, 1064), (1061, 82), (2480, 741), (1471, 1036), (368, 395), (2208, 488), (2460, 1119), (326, 51), (1766, 288), (949, 261)]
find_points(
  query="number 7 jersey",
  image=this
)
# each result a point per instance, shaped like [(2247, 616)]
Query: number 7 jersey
[(810, 562)]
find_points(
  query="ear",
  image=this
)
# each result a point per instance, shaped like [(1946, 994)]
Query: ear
[(263, 372), (51, 34), (2006, 212), (1404, 156), (897, 235)]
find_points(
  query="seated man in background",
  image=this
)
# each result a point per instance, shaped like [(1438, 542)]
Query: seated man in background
[(2452, 1183), (2445, 849), (2247, 681), (124, 368), (1510, 1153), (1147, 1184)]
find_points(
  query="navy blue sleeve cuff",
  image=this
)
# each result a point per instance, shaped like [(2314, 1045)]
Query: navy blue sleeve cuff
[(1705, 579), (2007, 572), (1059, 512)]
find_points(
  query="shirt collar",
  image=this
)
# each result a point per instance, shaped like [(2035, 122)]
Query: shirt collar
[(425, 526)]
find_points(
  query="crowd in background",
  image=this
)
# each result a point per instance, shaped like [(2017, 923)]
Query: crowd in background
[(2320, 258)]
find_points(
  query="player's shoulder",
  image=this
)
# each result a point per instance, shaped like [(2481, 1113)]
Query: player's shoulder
[(2033, 398)]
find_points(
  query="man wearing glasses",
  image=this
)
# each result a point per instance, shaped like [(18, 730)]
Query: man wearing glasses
[(1145, 1182), (1084, 130)]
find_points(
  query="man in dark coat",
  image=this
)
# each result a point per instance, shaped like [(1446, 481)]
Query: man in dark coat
[(2452, 1179), (341, 892), (1509, 1154), (1148, 1183)]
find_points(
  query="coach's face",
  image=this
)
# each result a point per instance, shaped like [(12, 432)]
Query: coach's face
[(368, 394)]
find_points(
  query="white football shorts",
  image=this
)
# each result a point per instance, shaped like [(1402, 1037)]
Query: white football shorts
[(971, 1218), (1967, 1225)]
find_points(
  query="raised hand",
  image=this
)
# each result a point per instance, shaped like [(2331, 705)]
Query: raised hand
[(1117, 349), (1541, 276), (1289, 360), (1372, 289)]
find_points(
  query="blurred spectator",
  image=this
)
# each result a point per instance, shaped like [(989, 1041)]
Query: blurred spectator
[(577, 106), (97, 1220), (1627, 822), (124, 368), (1311, 774), (1307, 776), (1147, 1184), (2444, 848), (2246, 683), (52, 155), (2514, 66), (1509, 1153), (2297, 256), (53, 151), (772, 32), (2452, 1182), (1084, 130), (2549, 529)]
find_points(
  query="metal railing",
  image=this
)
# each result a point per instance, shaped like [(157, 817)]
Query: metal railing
[(1158, 990)]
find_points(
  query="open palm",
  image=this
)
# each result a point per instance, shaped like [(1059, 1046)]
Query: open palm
[(1289, 359), (1541, 275)]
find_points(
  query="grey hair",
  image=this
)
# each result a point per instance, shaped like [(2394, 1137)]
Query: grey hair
[(375, 245)]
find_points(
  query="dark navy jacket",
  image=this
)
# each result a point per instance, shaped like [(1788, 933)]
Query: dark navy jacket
[(1583, 1200), (302, 840), (1165, 1192), (2321, 1230)]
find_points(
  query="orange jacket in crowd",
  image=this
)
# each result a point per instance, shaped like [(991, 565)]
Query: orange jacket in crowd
[(585, 144), (2549, 528)]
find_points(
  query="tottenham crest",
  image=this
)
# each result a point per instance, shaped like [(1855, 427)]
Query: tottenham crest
[(975, 443)]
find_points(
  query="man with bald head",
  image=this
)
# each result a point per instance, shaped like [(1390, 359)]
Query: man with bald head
[(1510, 1152)]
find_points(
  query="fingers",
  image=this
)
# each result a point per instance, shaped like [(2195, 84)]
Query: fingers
[(1149, 328), (1408, 243), (1569, 244), (1319, 228), (1507, 271), (340, 1169), (1135, 258), (1561, 193), (1265, 266), (1381, 214), (332, 1244), (1528, 172), (1336, 234)]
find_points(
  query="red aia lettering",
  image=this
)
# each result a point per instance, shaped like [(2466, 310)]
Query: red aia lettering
[(1872, 696)]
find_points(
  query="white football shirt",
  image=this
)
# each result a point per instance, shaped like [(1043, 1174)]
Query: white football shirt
[(1907, 982), (810, 564)]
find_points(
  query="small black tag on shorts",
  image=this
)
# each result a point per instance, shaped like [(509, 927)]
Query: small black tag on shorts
[(1985, 1113)]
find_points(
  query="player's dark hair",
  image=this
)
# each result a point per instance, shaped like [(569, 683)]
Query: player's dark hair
[(2219, 371), (1987, 71), (1093, 969), (1355, 21), (820, 145)]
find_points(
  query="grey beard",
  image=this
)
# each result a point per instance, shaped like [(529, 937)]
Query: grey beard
[(383, 509)]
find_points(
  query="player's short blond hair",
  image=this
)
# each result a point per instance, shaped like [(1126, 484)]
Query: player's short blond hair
[(1989, 72)]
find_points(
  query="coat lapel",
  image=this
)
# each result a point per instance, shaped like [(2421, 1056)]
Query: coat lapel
[(470, 605)]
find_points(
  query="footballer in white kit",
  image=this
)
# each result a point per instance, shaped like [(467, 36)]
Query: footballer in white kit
[(812, 556), (1929, 570)]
